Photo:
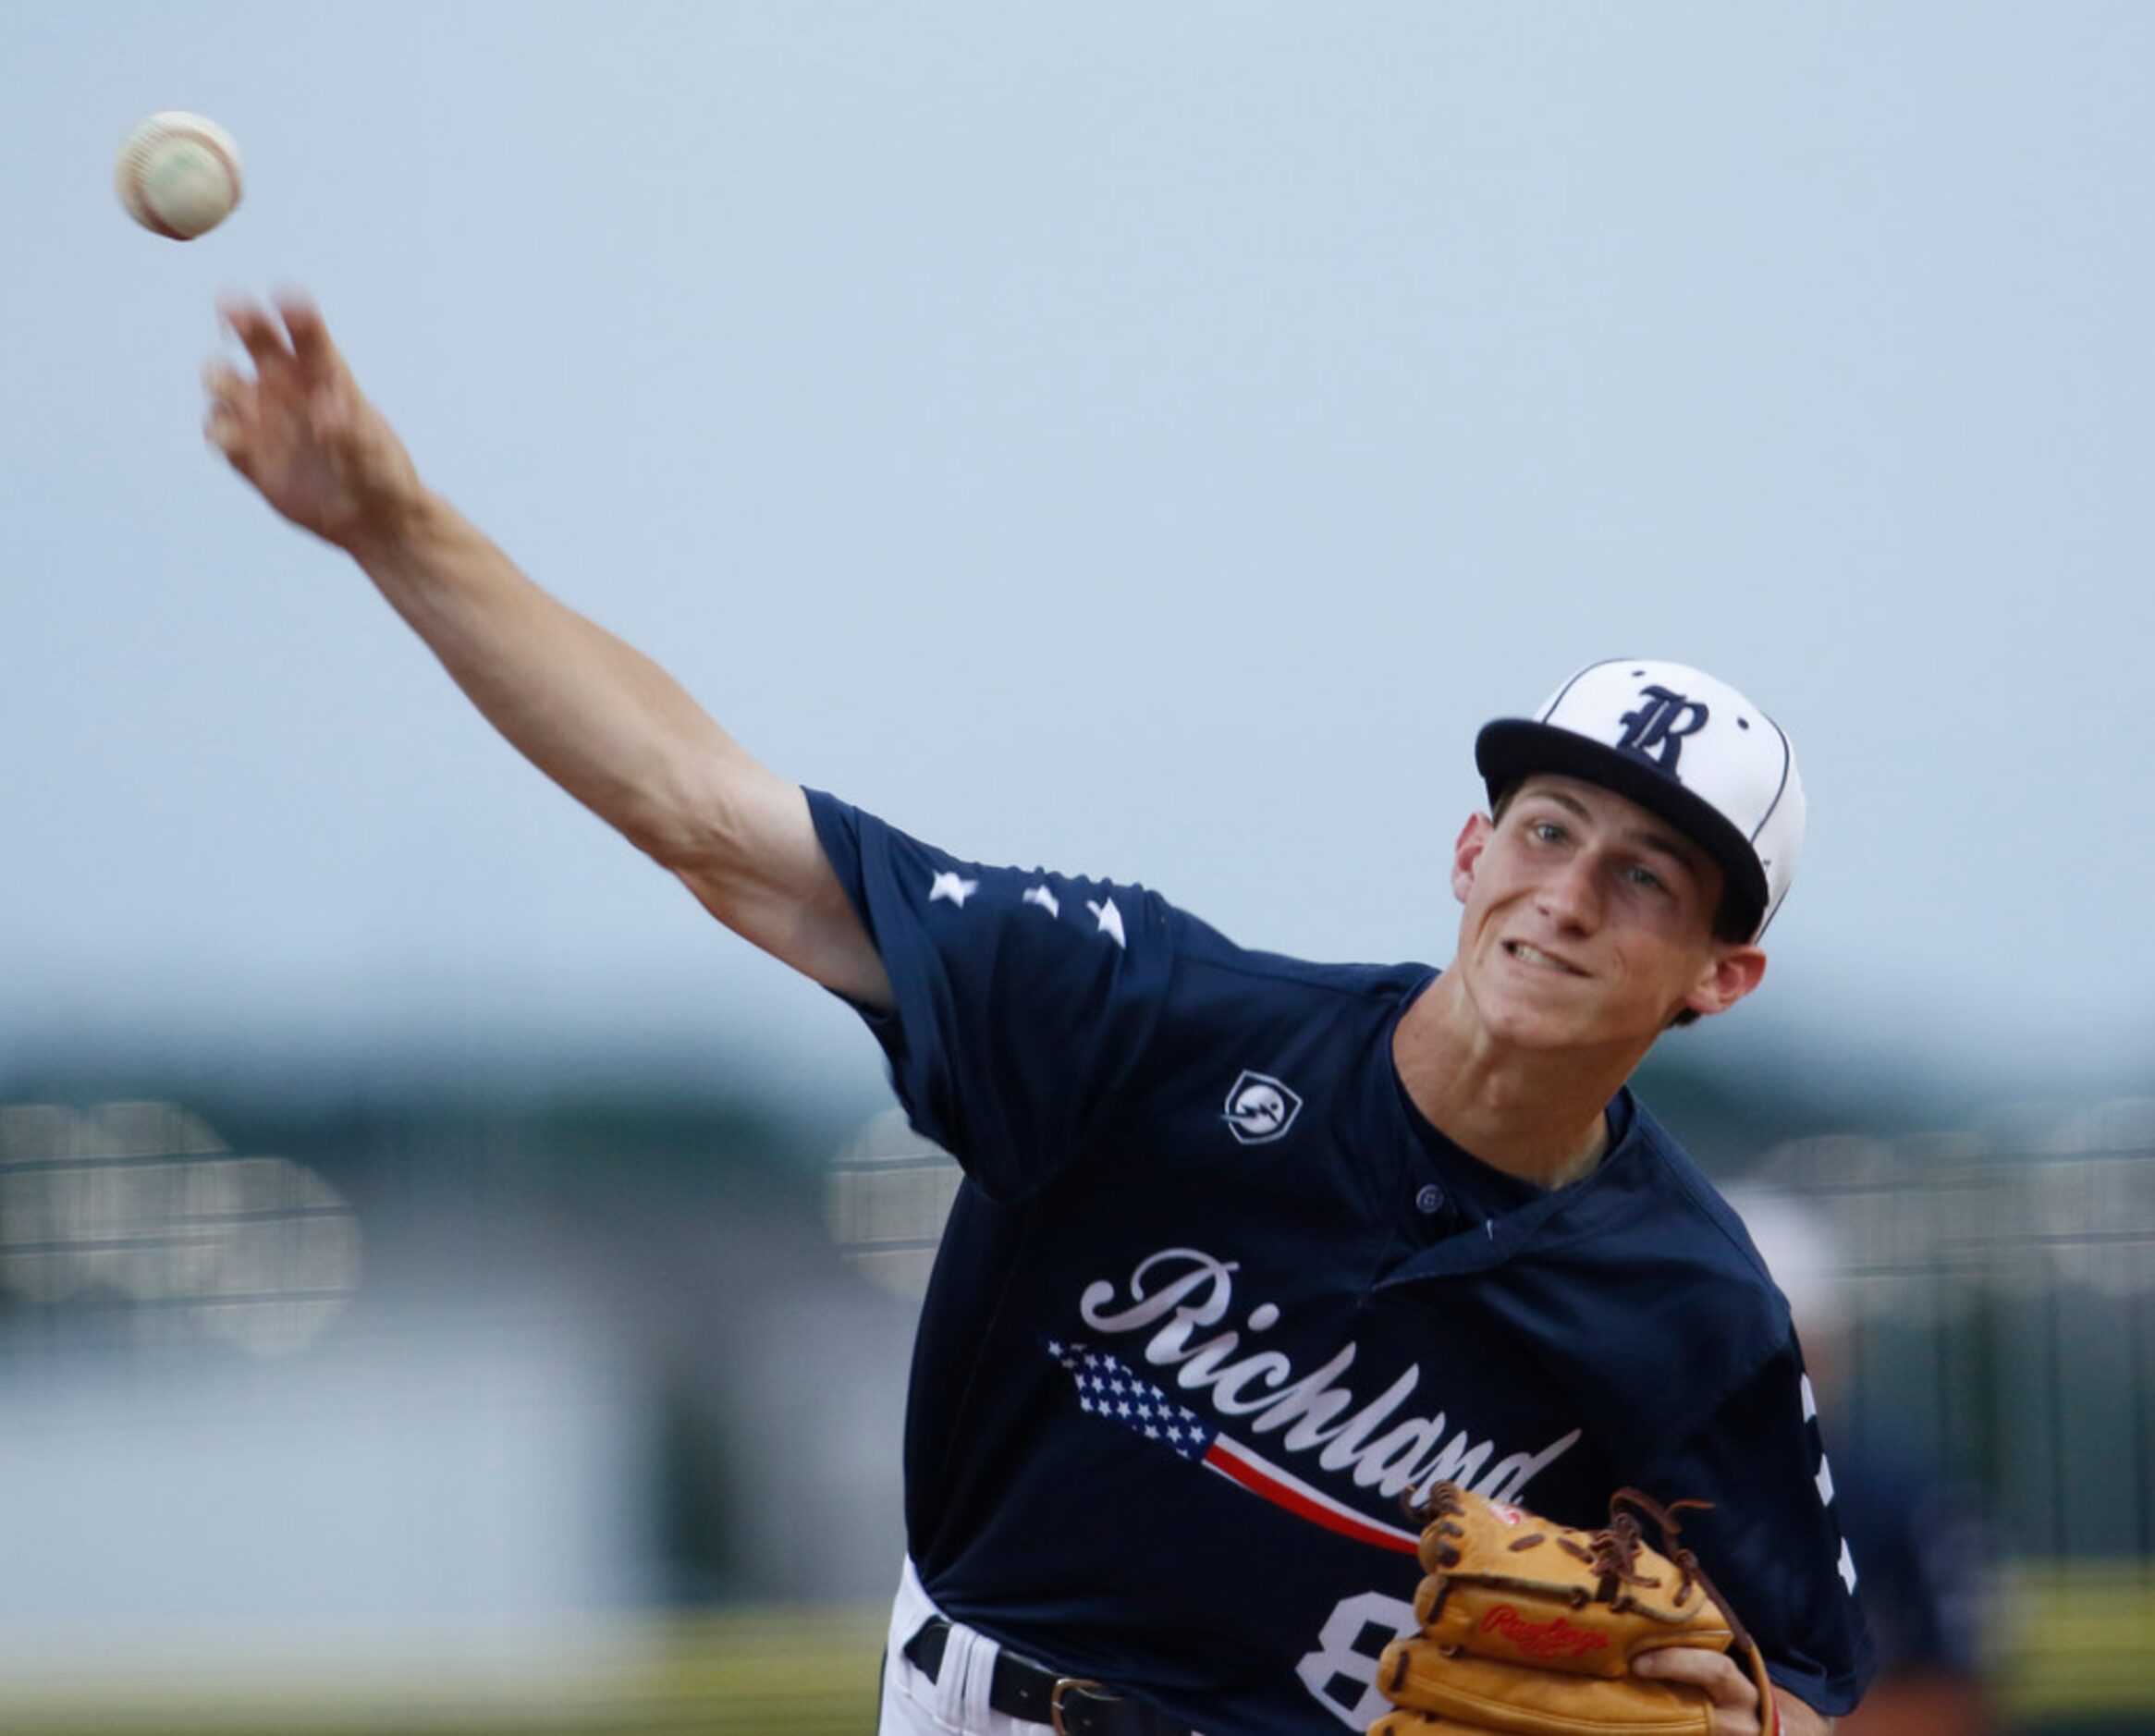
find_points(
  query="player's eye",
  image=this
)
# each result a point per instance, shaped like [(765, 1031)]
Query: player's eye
[(1646, 879)]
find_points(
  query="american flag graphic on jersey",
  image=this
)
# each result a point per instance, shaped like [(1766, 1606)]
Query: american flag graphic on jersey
[(1107, 1387)]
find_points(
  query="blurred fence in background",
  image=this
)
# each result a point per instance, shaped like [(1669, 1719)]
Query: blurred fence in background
[(536, 1412), (1995, 1287), (1983, 1298), (423, 1409)]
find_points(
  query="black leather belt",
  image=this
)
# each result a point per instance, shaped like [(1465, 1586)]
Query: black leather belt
[(1070, 1705)]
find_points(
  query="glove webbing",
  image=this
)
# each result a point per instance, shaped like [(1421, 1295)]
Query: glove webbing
[(1693, 1574)]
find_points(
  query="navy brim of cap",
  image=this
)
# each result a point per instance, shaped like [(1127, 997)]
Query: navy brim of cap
[(1512, 748)]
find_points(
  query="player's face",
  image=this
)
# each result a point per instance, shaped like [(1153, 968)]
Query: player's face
[(1588, 921)]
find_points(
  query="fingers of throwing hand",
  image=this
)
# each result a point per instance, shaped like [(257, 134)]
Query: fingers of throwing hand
[(223, 421), (311, 348), (260, 334), (221, 429), (223, 383), (292, 390)]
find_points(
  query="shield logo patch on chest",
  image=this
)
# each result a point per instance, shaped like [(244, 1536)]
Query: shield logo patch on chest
[(1259, 1108)]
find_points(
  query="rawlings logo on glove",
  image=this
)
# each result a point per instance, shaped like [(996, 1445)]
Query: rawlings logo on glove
[(1531, 1630), (1540, 1640)]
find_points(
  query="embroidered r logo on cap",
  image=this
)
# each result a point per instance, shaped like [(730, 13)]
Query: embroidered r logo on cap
[(1661, 721)]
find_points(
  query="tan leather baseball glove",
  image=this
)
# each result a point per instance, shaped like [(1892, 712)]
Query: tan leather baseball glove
[(1530, 1630)]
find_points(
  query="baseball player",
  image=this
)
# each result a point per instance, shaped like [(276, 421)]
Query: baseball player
[(1251, 1251)]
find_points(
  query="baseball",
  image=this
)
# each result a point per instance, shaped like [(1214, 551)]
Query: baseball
[(177, 174)]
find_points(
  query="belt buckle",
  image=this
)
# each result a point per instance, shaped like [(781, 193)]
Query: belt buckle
[(1062, 1685)]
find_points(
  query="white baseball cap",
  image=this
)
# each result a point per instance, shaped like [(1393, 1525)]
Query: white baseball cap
[(1682, 745)]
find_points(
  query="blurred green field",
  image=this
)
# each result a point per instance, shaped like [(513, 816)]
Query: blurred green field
[(2077, 1654), (2078, 1646), (760, 1672)]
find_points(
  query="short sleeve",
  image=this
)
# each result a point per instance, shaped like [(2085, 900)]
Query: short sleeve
[(1772, 1541), (1025, 999)]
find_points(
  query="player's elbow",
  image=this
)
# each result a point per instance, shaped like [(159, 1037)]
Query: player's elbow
[(693, 845), (725, 830), (691, 815), (653, 814), (660, 833)]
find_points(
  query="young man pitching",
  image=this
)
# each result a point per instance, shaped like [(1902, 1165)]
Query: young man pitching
[(1251, 1250)]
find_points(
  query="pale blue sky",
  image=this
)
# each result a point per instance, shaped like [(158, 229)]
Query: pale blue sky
[(1145, 439)]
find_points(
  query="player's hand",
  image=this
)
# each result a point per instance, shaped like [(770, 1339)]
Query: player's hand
[(1733, 1694), (301, 432)]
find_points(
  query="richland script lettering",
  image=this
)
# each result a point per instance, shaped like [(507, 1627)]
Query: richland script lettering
[(1181, 1291)]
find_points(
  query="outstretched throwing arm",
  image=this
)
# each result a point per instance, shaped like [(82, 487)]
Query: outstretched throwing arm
[(597, 716)]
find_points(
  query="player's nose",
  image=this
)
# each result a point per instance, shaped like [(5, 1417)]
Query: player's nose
[(1569, 893)]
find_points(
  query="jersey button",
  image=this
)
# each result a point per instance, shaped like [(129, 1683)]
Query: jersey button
[(1431, 1200)]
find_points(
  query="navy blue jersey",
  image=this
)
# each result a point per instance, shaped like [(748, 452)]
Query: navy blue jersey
[(1214, 1298)]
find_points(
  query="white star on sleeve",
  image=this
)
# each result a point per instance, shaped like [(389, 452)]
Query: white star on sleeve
[(1109, 920), (949, 885), (1045, 899)]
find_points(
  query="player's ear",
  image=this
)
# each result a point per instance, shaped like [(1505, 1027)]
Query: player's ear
[(1466, 854), (1734, 973)]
